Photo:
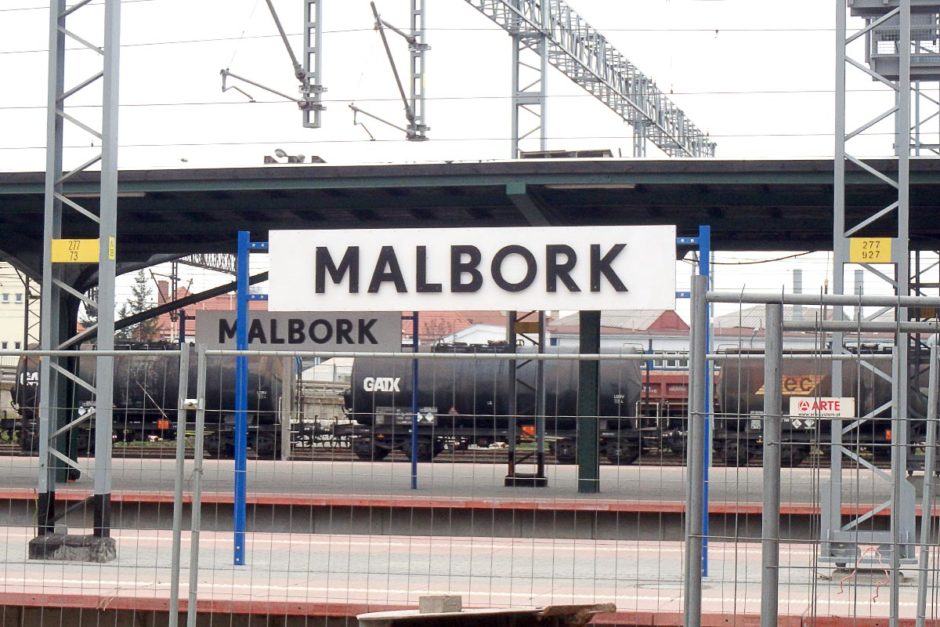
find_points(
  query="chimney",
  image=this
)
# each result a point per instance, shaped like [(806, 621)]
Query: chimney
[(163, 291), (798, 289)]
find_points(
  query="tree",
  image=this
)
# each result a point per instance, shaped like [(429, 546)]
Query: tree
[(141, 300), (88, 314)]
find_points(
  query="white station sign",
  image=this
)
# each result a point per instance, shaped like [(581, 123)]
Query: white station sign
[(822, 407), (497, 269)]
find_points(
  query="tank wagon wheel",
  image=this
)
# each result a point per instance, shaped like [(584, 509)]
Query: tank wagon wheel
[(366, 450), (793, 456), (566, 451), (676, 444), (214, 449), (734, 454), (623, 454), (425, 450), (267, 446), (881, 452), (85, 443), (28, 443)]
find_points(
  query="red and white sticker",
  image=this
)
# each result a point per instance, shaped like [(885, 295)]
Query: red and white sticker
[(822, 407)]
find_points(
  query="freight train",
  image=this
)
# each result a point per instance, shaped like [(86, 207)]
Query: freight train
[(467, 401), (145, 400)]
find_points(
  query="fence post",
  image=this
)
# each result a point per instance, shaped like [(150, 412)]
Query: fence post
[(178, 485), (930, 465), (196, 523), (770, 519), (698, 363)]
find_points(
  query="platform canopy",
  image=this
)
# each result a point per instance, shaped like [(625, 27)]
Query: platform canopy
[(750, 205)]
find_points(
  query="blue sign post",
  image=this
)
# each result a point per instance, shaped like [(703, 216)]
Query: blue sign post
[(242, 297)]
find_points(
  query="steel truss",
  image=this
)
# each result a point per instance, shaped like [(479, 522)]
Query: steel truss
[(31, 310), (583, 54), (218, 262), (59, 273), (529, 81), (416, 128), (896, 34), (309, 73), (526, 328)]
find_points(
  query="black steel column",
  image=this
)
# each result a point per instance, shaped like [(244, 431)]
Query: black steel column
[(512, 422), (588, 405)]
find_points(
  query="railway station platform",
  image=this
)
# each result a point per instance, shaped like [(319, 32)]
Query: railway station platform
[(635, 502), (329, 540), (328, 579)]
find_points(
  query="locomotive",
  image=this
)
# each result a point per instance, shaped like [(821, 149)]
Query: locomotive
[(145, 400), (466, 401)]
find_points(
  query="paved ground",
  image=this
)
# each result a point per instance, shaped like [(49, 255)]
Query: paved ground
[(381, 571), (634, 483), (391, 570)]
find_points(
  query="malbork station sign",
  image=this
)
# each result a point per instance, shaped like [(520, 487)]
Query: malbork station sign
[(577, 268)]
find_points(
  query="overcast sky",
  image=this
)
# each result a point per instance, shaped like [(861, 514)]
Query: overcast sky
[(758, 76)]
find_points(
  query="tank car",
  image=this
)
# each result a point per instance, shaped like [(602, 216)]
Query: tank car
[(466, 401), (740, 402), (145, 400)]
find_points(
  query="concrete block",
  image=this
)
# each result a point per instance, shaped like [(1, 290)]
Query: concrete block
[(68, 548), (439, 604)]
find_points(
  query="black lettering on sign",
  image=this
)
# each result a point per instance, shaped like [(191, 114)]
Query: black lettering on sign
[(365, 331), (422, 271), (275, 338), (601, 266), (496, 268), (226, 330), (387, 269), (348, 265), (295, 331), (327, 331), (560, 271), (343, 327), (459, 267), (256, 332)]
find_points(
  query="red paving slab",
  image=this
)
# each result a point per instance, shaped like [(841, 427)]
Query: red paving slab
[(339, 610)]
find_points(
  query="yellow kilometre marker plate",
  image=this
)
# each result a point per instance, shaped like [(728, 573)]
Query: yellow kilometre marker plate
[(75, 251), (870, 250)]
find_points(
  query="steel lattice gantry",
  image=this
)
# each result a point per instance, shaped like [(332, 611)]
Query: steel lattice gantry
[(311, 74), (65, 259), (898, 42), (553, 29)]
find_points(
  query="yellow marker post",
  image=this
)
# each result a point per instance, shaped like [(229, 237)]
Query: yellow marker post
[(75, 251), (870, 250)]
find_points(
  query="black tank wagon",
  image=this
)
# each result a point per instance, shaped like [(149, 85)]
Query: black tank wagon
[(466, 401), (145, 400)]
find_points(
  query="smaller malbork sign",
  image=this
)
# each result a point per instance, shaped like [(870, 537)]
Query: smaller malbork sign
[(302, 331), (496, 269), (822, 407)]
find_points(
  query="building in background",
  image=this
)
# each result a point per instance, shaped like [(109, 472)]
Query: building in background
[(12, 309)]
